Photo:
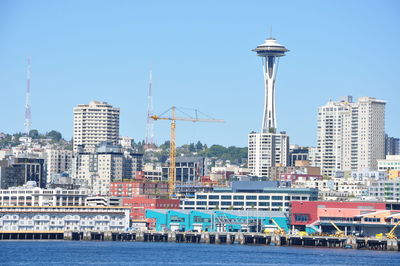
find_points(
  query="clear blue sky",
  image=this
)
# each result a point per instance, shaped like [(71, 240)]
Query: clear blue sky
[(200, 53)]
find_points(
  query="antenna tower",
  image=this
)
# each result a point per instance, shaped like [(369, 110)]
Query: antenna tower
[(150, 122), (28, 121)]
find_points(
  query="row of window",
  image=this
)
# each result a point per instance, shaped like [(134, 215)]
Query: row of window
[(250, 197), (236, 203)]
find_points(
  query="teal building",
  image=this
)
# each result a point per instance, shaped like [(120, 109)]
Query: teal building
[(217, 220)]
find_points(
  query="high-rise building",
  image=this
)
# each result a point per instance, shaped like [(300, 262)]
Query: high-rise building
[(297, 153), (94, 123), (350, 135), (96, 170), (268, 148), (57, 161), (189, 169), (392, 145), (16, 172)]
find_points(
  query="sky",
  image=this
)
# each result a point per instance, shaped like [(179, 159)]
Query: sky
[(200, 55)]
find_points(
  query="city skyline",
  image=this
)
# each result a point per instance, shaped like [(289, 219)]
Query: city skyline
[(106, 55)]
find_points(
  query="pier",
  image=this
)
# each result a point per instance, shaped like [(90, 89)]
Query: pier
[(227, 238)]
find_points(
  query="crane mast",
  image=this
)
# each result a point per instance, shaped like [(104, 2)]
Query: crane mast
[(172, 143), (172, 155)]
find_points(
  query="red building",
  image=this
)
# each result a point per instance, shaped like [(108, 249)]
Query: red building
[(304, 214), (139, 188), (299, 177), (139, 205)]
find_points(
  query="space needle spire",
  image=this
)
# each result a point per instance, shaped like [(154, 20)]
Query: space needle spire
[(270, 51)]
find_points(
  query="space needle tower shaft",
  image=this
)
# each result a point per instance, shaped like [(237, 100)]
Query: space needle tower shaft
[(270, 51)]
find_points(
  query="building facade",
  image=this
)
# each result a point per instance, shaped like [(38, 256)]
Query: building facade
[(385, 190), (216, 221), (266, 150), (139, 205), (392, 162), (96, 171), (61, 219), (18, 171), (139, 188), (270, 199), (297, 153), (94, 123), (392, 145), (35, 196), (350, 136), (189, 170), (57, 162)]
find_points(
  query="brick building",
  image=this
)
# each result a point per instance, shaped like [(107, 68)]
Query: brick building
[(139, 188), (139, 205)]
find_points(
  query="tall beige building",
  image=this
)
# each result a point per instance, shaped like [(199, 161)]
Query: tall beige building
[(266, 150), (57, 161), (94, 123), (350, 135)]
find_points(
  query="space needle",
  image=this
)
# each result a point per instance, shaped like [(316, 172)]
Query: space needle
[(270, 51)]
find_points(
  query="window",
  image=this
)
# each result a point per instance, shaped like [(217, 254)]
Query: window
[(251, 197), (372, 219), (226, 197), (263, 197), (238, 203), (238, 197), (277, 198), (213, 197), (301, 218), (201, 196)]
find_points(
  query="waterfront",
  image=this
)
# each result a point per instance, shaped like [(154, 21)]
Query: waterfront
[(139, 253)]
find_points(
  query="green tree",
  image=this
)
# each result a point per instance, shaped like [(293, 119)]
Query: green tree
[(165, 146), (54, 135), (199, 146), (34, 133), (191, 147)]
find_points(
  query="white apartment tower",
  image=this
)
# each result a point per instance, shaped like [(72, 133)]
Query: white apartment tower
[(57, 161), (94, 123), (96, 171), (267, 150), (350, 136)]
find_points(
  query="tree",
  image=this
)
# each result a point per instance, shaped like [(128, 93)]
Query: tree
[(165, 146), (192, 148), (34, 134), (54, 135), (199, 146), (216, 151)]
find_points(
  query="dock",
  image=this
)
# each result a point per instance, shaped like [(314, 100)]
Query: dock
[(229, 238)]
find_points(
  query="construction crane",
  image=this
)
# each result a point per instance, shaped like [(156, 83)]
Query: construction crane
[(172, 144), (339, 233), (392, 234), (279, 231)]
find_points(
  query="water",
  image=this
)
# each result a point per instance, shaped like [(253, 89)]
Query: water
[(132, 253)]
